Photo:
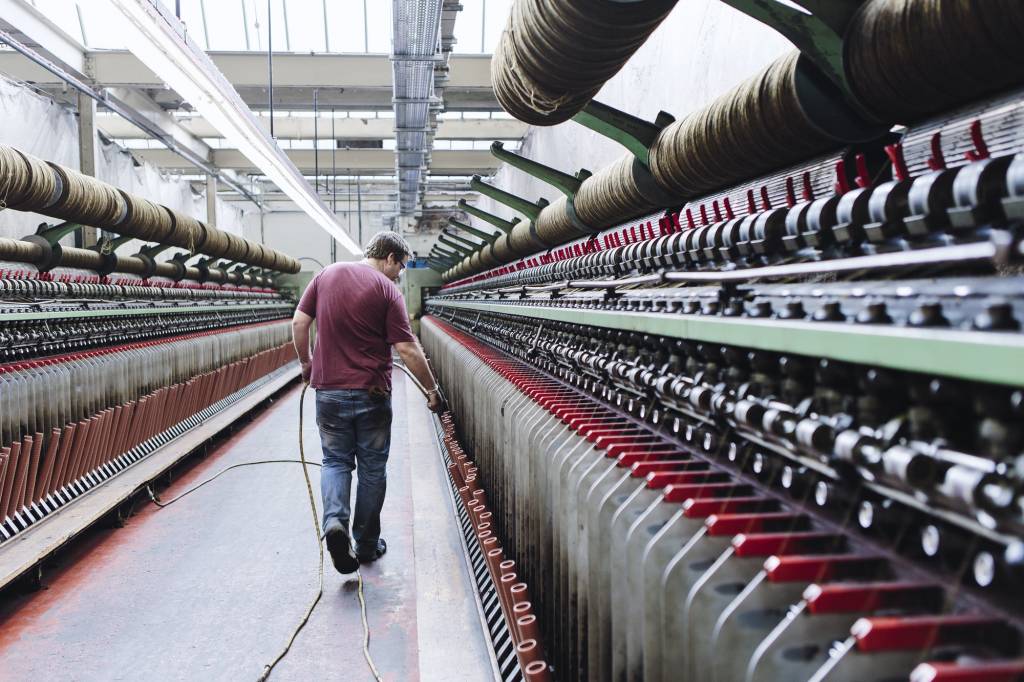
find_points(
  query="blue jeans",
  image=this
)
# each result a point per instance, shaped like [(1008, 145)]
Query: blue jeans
[(355, 431)]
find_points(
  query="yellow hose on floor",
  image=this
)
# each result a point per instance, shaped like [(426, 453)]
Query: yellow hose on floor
[(268, 669)]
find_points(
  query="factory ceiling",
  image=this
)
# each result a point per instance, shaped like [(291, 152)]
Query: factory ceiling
[(334, 57)]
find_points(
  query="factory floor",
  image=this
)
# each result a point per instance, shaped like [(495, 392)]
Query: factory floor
[(210, 587)]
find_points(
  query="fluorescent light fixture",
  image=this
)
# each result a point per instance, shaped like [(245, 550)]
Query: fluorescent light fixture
[(157, 39)]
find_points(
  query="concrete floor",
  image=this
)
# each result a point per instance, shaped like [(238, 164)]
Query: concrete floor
[(210, 588)]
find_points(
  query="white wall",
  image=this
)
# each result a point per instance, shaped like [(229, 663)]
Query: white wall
[(295, 233), (700, 51), (38, 126)]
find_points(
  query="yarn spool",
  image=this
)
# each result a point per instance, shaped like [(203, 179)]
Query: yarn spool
[(756, 127), (187, 233), (26, 183), (85, 259), (554, 225), (522, 241), (20, 251), (618, 193), (503, 250), (145, 220), (554, 55), (87, 200), (906, 59), (215, 242)]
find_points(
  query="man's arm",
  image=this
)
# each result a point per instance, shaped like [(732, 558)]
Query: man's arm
[(300, 337), (412, 356)]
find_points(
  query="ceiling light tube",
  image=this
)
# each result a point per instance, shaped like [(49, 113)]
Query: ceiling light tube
[(155, 37)]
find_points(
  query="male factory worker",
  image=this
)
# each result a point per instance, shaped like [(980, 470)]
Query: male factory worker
[(360, 314)]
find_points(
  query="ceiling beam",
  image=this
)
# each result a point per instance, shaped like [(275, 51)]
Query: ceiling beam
[(249, 69), (369, 161), (157, 116), (35, 30), (301, 128)]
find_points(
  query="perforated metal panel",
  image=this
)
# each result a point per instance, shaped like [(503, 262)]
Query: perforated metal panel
[(419, 57)]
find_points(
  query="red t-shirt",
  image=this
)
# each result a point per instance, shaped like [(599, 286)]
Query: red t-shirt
[(359, 313)]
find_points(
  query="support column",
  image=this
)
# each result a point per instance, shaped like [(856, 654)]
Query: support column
[(211, 200), (87, 155)]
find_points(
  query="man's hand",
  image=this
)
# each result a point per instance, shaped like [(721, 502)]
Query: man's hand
[(307, 369), (435, 403)]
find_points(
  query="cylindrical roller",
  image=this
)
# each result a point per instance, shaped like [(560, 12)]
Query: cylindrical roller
[(20, 251), (86, 259), (554, 226), (522, 241), (757, 126), (910, 58), (554, 55), (87, 200), (146, 220)]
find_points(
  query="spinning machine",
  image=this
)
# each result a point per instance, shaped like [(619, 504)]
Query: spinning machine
[(114, 367), (748, 403)]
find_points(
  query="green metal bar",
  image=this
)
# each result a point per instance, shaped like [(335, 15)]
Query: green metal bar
[(633, 133), (442, 259), (54, 233), (528, 209), (488, 237), (154, 250), (563, 182), (441, 252), (133, 312), (817, 32), (106, 245), (503, 225), (992, 357), (437, 259), (462, 240), (458, 248)]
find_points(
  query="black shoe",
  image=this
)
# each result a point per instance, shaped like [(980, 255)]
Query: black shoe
[(340, 548), (382, 548)]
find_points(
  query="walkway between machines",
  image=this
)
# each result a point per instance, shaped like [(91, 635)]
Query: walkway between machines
[(209, 588)]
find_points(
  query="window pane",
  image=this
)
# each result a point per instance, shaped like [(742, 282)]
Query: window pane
[(497, 15), (226, 22), (467, 26), (345, 25), (64, 13), (378, 16), (306, 25)]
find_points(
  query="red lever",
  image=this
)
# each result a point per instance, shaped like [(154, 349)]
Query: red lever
[(731, 524), (870, 597), (899, 163), (822, 567), (975, 671), (695, 508), (766, 544), (644, 469), (937, 161), (689, 219), (717, 211), (863, 177), (790, 193), (751, 206), (808, 192), (924, 632), (766, 205), (703, 214), (980, 150), (729, 215)]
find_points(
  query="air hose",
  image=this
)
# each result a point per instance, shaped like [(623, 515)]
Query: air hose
[(268, 668)]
